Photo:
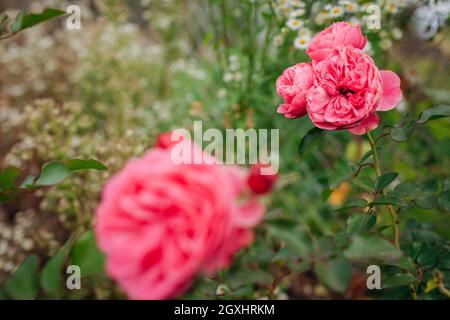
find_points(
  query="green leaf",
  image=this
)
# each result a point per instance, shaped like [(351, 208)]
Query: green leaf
[(428, 201), (404, 263), (341, 173), (444, 200), (398, 280), (438, 112), (403, 131), (28, 182), (27, 20), (405, 188), (384, 180), (323, 247), (335, 273), (87, 256), (51, 275), (430, 186), (309, 139), (383, 200), (296, 238), (364, 247), (364, 183), (79, 164), (444, 261), (7, 177), (24, 283), (430, 258), (52, 173), (360, 222), (365, 156), (246, 276), (359, 203), (446, 184)]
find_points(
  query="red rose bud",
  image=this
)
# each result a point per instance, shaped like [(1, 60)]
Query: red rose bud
[(165, 140), (261, 183)]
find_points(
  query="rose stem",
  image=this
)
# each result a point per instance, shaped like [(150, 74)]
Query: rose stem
[(393, 214)]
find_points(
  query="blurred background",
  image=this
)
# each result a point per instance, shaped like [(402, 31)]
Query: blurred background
[(139, 68)]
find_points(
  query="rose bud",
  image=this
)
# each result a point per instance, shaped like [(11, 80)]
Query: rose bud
[(166, 141), (261, 183)]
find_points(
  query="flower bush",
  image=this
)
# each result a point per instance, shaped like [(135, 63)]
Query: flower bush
[(357, 186)]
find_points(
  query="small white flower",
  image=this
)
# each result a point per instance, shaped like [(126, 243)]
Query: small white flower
[(237, 76), (304, 32), (397, 34), (278, 40), (336, 11), (297, 4), (294, 24), (302, 42), (321, 17), (227, 76), (351, 6), (297, 13), (222, 93), (354, 21), (391, 7), (385, 44)]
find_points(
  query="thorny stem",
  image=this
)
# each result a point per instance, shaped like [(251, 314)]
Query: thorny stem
[(393, 214)]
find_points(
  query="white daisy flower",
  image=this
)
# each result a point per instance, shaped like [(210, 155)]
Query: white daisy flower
[(227, 77), (302, 42), (297, 4), (304, 32), (297, 13), (294, 24), (321, 17), (336, 11), (391, 7), (351, 6)]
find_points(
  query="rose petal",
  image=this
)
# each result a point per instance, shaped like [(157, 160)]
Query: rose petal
[(392, 94), (370, 123)]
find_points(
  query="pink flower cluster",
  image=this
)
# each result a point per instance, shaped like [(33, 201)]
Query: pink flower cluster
[(160, 224), (342, 87)]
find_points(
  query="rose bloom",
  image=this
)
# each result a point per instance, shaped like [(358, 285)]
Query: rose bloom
[(292, 86), (161, 224), (347, 87), (340, 33), (348, 90)]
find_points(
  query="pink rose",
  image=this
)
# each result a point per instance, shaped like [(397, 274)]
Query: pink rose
[(340, 33), (160, 224), (292, 86), (348, 90)]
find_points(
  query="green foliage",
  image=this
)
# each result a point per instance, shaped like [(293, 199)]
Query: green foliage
[(87, 256), (24, 283), (309, 139), (384, 180), (335, 273), (364, 247), (51, 173), (51, 278), (26, 20)]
